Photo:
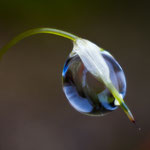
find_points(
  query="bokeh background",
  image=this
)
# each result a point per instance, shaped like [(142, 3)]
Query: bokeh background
[(34, 112)]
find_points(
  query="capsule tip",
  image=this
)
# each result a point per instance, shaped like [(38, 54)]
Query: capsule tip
[(133, 121)]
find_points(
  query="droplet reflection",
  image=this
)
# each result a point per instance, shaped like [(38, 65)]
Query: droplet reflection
[(84, 92)]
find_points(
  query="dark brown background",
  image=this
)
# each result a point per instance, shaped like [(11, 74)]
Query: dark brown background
[(34, 113)]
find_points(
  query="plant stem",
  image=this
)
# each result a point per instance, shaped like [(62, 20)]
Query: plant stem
[(36, 31)]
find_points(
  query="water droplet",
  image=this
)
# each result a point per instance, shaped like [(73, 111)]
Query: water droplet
[(84, 92)]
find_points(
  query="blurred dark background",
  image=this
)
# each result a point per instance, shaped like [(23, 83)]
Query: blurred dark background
[(34, 112)]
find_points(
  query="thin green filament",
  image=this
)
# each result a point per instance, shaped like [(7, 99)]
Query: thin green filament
[(33, 32)]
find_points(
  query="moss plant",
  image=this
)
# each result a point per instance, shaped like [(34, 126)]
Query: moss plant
[(92, 59)]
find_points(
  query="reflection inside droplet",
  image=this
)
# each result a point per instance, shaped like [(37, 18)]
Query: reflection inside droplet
[(84, 92)]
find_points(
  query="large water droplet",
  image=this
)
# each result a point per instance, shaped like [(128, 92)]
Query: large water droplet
[(84, 92)]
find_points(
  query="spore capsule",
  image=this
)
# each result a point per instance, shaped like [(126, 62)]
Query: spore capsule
[(84, 92)]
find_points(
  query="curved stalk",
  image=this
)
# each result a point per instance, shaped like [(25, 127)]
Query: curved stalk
[(36, 31)]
